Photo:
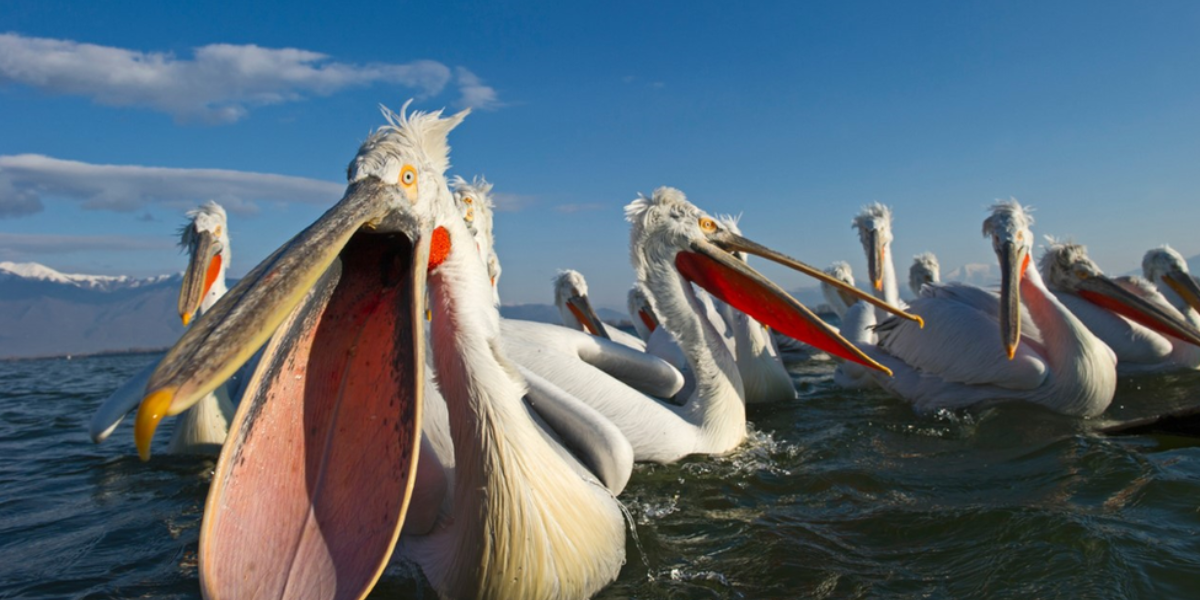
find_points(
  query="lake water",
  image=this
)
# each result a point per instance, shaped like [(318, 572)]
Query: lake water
[(837, 495)]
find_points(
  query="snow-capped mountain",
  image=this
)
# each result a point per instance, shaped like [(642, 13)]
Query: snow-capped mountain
[(47, 313)]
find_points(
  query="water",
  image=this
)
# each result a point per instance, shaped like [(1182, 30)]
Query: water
[(838, 495)]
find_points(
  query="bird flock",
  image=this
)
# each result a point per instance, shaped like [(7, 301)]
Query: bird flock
[(383, 405)]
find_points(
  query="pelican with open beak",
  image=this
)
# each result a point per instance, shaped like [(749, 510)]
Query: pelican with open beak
[(312, 487)]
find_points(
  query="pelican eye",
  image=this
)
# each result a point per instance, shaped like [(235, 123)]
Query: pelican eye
[(708, 225), (468, 201), (408, 176)]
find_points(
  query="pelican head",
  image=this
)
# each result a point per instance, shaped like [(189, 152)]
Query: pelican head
[(313, 483), (673, 240), (1067, 267), (1009, 228), (644, 319), (571, 298), (838, 298), (925, 269), (1165, 266), (206, 239), (874, 225)]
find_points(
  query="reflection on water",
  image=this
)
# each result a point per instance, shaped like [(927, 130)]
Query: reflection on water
[(840, 494)]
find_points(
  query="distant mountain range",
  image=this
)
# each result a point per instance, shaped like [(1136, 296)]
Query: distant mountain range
[(47, 313)]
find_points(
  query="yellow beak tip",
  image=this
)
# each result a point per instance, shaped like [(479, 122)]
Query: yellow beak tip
[(152, 410), (187, 318), (878, 286)]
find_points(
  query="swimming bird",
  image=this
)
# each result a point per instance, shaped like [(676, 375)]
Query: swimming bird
[(640, 313), (312, 492), (1166, 269), (673, 245), (837, 298), (975, 351), (1148, 334), (924, 270), (202, 429), (575, 307)]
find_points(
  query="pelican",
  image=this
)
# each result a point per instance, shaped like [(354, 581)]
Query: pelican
[(1165, 268), (474, 200), (640, 313), (874, 226), (1146, 333), (673, 245), (975, 350), (571, 299), (924, 270), (837, 298), (202, 429), (310, 496)]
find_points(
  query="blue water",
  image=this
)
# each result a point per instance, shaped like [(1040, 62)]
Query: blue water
[(838, 495)]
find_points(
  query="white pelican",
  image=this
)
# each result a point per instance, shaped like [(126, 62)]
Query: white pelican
[(640, 313), (201, 429), (673, 245), (1166, 268), (837, 298), (975, 351), (1147, 334), (474, 200), (874, 225), (571, 299), (309, 497), (924, 270)]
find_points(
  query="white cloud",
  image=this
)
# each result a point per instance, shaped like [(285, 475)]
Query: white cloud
[(506, 202), (22, 246), (219, 84), (26, 178), (569, 209), (474, 93)]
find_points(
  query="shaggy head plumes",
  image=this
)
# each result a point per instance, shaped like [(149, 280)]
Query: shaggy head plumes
[(1065, 264)]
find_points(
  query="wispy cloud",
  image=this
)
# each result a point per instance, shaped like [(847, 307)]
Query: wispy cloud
[(23, 246), (512, 202), (220, 82), (26, 178), (574, 208)]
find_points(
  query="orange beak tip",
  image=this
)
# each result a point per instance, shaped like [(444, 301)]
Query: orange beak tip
[(1012, 351), (187, 318), (920, 322), (150, 413), (878, 285)]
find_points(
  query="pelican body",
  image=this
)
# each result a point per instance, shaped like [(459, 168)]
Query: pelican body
[(324, 457)]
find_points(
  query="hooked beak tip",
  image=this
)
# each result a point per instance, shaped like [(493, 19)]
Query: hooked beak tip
[(187, 318), (879, 285), (150, 413), (1012, 351), (920, 321)]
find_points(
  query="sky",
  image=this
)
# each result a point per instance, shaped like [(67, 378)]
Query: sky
[(117, 117)]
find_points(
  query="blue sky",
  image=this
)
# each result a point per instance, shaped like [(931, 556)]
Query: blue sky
[(115, 117)]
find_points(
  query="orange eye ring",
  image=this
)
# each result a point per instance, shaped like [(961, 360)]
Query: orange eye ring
[(468, 201), (408, 176), (707, 225)]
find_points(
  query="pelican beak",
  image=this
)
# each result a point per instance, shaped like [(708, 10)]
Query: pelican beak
[(313, 484), (1013, 262), (734, 282), (1185, 286), (875, 259), (1102, 291), (227, 336), (581, 307), (200, 275), (732, 242), (648, 319), (847, 298)]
